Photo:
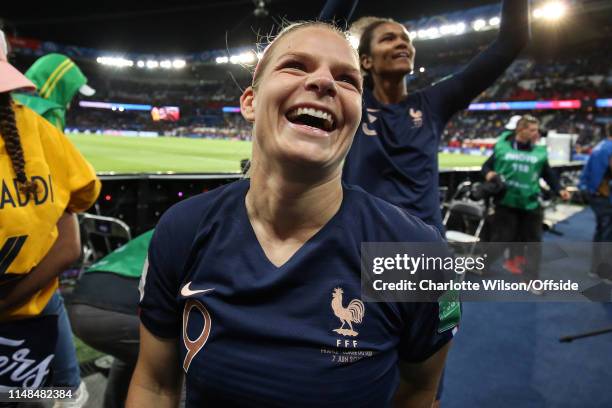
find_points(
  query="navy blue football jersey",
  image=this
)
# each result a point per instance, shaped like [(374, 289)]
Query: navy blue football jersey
[(254, 334), (395, 151), (395, 154)]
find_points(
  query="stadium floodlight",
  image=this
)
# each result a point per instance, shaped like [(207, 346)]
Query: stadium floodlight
[(244, 58), (494, 21), (141, 64), (479, 24), (248, 57), (429, 33), (557, 11), (413, 35), (433, 32), (551, 11), (459, 28), (422, 69), (151, 64), (166, 64), (452, 29), (118, 62), (222, 60), (178, 63), (447, 29)]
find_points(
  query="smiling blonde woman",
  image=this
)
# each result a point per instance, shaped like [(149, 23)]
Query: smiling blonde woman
[(252, 291)]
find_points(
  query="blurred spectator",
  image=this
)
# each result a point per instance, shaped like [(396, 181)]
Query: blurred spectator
[(596, 181)]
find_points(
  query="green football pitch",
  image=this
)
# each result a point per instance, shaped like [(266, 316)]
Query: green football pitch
[(122, 154)]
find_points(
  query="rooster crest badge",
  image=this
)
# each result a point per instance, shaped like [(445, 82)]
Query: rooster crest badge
[(417, 117), (353, 313)]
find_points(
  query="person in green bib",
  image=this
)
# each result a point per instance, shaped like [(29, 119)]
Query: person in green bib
[(516, 259), (521, 163), (57, 79)]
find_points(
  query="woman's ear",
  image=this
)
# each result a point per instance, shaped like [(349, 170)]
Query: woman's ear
[(366, 62), (247, 104)]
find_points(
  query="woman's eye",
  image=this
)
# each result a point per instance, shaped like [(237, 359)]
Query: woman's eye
[(294, 65), (349, 79)]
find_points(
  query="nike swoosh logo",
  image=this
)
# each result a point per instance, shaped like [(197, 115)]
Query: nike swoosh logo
[(367, 130), (187, 291)]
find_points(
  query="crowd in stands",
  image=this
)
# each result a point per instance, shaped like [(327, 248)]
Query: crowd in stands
[(234, 127), (215, 126), (469, 125), (584, 76)]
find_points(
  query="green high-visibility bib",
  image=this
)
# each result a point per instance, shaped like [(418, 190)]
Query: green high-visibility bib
[(521, 170)]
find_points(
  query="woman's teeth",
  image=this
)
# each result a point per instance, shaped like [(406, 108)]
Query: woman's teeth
[(327, 119)]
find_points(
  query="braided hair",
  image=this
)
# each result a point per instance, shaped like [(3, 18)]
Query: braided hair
[(12, 143)]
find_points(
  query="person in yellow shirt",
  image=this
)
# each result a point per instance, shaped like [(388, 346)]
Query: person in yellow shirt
[(44, 181)]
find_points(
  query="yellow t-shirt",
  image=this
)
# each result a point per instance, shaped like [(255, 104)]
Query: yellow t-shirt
[(66, 181)]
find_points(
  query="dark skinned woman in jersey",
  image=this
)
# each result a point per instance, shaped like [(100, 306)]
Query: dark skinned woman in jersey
[(395, 152)]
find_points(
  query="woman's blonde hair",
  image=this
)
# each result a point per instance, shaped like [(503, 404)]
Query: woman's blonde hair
[(287, 29)]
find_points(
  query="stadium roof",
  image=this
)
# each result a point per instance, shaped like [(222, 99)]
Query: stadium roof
[(185, 26)]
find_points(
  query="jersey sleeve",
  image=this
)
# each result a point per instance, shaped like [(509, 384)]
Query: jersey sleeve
[(431, 323), (174, 253), (165, 267), (430, 326), (456, 92), (76, 174), (159, 285)]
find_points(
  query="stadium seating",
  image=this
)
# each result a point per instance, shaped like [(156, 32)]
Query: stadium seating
[(581, 72)]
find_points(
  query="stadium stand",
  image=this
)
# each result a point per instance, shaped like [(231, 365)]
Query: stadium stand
[(581, 72), (585, 77)]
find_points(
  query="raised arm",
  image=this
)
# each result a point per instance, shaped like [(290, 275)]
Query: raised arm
[(339, 11), (455, 93)]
